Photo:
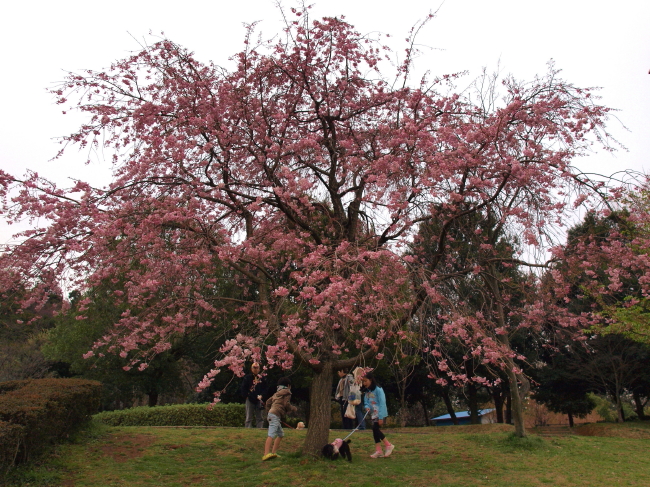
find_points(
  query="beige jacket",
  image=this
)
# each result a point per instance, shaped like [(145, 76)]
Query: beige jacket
[(279, 404)]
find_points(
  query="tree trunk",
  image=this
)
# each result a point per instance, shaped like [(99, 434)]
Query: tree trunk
[(620, 416), (517, 394), (426, 413), (570, 420), (619, 408), (508, 418), (450, 407), (498, 398), (472, 402), (639, 405), (621, 413), (402, 404), (472, 394), (153, 398), (517, 401), (320, 411)]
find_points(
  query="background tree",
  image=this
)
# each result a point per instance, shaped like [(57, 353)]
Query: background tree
[(304, 171), (174, 372), (484, 310), (403, 359), (630, 315), (600, 280), (640, 389), (71, 339), (604, 269), (22, 333), (562, 388), (613, 364)]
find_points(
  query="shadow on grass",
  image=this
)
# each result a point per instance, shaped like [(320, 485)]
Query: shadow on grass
[(512, 443), (509, 443), (48, 468)]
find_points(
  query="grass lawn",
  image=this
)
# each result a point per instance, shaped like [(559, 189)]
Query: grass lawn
[(443, 456)]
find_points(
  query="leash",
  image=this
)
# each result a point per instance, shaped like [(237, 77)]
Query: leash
[(286, 424), (355, 429)]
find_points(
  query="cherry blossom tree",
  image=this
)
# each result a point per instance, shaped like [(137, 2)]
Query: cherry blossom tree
[(607, 258), (305, 171)]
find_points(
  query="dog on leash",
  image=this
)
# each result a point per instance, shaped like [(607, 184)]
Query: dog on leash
[(338, 448)]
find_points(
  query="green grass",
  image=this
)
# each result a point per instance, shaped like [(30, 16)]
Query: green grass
[(444, 456)]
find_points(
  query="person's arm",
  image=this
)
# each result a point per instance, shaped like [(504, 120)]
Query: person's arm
[(339, 391), (381, 403), (264, 387), (372, 404), (349, 380), (292, 408), (260, 390)]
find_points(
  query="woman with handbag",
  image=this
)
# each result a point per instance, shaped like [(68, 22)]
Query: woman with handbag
[(341, 396)]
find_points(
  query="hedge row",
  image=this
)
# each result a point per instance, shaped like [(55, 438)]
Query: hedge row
[(35, 413), (176, 415)]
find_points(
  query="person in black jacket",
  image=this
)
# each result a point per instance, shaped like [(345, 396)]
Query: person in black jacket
[(253, 388)]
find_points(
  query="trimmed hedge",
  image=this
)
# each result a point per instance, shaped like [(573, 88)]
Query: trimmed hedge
[(12, 385), (176, 415), (35, 413)]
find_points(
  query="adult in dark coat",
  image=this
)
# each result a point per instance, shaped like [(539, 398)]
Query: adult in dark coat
[(253, 388)]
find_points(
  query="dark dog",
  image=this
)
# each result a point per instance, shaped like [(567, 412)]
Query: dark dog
[(338, 448)]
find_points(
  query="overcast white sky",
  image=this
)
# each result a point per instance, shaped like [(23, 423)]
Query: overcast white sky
[(595, 43)]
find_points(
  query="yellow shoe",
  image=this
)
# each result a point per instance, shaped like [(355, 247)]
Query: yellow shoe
[(268, 456)]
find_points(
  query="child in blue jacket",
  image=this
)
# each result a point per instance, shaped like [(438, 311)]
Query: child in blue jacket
[(375, 403)]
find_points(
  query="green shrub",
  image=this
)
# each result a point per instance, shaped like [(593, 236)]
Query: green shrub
[(11, 436), (607, 409), (35, 413), (176, 415)]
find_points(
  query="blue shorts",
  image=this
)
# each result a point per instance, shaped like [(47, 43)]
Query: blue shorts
[(275, 427)]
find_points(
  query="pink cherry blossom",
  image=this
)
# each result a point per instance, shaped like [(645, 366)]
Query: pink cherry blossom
[(304, 173)]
